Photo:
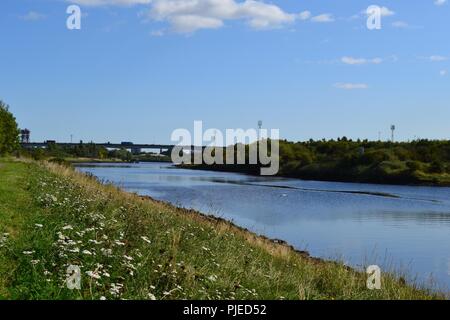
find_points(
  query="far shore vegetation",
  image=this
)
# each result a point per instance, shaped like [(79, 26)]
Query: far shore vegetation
[(419, 162)]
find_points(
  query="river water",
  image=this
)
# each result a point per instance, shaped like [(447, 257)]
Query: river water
[(400, 228)]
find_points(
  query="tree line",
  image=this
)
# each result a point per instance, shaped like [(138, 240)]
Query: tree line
[(416, 162)]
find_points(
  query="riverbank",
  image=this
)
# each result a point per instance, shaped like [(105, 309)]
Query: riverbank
[(90, 160), (136, 248), (330, 173)]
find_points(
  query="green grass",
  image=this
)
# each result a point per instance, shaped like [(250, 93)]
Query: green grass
[(129, 247), (16, 207)]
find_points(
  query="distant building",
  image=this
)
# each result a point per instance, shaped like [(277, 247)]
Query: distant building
[(25, 136)]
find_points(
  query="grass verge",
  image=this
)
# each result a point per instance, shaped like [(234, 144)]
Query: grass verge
[(130, 247)]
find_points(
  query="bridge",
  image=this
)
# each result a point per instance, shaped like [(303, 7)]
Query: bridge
[(134, 148)]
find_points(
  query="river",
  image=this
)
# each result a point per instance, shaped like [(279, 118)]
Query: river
[(400, 228)]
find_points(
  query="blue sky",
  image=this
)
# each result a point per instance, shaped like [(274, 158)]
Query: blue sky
[(138, 69)]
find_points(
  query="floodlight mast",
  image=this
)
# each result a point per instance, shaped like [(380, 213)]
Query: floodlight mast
[(260, 124), (392, 130)]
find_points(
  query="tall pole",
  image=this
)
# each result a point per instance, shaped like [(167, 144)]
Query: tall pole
[(260, 123), (393, 129)]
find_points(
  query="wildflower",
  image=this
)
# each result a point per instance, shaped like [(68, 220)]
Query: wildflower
[(38, 225), (212, 278), (115, 289), (68, 227), (3, 239), (151, 296), (102, 298), (95, 241), (35, 262), (128, 258), (106, 252), (62, 237), (119, 243), (87, 252), (146, 239), (28, 253), (93, 275)]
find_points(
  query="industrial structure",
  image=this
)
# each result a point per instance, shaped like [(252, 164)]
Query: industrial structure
[(25, 136), (392, 130)]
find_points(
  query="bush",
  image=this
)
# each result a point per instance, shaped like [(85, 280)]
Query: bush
[(436, 167), (38, 154), (415, 166)]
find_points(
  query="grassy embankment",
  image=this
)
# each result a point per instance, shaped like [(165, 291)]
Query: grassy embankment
[(134, 248)]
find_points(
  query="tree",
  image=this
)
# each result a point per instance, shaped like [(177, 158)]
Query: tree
[(9, 132)]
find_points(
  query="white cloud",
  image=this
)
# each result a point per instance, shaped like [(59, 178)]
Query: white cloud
[(385, 12), (443, 73), (360, 61), (437, 58), (191, 23), (157, 33), (33, 16), (400, 24), (440, 2), (191, 15), (187, 16), (351, 86), (326, 17), (305, 15)]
